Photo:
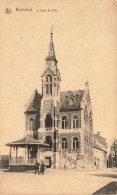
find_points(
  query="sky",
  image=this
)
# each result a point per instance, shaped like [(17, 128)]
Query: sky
[(85, 46)]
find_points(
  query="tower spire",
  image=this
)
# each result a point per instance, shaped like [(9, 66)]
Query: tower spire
[(51, 33), (51, 52)]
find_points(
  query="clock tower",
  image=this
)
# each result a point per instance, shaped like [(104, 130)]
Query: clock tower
[(50, 104)]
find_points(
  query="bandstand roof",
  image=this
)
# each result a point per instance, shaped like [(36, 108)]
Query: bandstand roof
[(27, 141)]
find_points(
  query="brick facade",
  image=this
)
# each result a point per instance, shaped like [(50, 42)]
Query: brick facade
[(59, 126), (63, 119)]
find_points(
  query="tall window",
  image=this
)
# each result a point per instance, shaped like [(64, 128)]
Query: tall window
[(49, 141), (64, 143), (31, 124), (75, 122), (47, 89), (57, 89), (49, 84), (57, 120), (90, 121), (64, 122), (85, 114), (75, 143), (48, 122)]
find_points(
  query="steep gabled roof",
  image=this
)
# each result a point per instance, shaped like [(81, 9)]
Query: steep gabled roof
[(65, 98), (98, 147), (34, 102), (100, 139)]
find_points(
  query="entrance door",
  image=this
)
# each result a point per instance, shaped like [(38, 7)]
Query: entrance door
[(49, 162)]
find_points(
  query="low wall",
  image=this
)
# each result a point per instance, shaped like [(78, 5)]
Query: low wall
[(21, 168)]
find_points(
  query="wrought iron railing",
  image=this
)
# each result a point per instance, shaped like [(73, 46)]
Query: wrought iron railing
[(22, 161), (47, 149), (48, 128)]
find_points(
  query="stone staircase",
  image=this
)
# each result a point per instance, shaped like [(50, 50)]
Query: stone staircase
[(68, 160)]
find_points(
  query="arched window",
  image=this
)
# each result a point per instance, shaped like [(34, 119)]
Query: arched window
[(48, 122), (48, 78), (48, 140), (31, 124), (64, 143), (75, 122), (64, 122), (75, 143), (49, 85), (47, 89)]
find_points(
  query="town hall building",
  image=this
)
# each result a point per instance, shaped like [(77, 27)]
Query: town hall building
[(59, 125)]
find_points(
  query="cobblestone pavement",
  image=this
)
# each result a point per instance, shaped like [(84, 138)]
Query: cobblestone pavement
[(56, 182)]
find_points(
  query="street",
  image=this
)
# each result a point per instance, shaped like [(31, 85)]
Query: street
[(56, 181)]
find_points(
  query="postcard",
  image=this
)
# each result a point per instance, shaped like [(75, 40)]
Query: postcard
[(58, 70)]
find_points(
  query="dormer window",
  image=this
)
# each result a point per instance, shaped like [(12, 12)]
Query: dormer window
[(31, 124), (71, 100)]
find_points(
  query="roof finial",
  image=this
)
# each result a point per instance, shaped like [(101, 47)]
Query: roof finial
[(52, 28), (87, 82)]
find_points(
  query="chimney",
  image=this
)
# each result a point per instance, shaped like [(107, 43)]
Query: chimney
[(98, 133)]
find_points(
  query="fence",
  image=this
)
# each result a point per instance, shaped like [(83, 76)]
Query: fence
[(22, 161)]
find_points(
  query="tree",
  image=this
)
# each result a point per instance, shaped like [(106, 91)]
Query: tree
[(112, 159)]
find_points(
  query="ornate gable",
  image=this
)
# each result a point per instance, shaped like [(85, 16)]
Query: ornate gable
[(48, 71), (70, 100)]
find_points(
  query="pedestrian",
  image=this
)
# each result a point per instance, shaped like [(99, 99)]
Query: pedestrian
[(42, 168), (36, 167), (39, 168), (64, 166)]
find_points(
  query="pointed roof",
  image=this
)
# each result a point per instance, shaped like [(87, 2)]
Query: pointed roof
[(27, 141), (34, 102), (51, 52)]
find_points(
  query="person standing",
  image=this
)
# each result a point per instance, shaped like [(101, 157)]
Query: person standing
[(64, 166), (39, 169), (42, 168), (36, 167)]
